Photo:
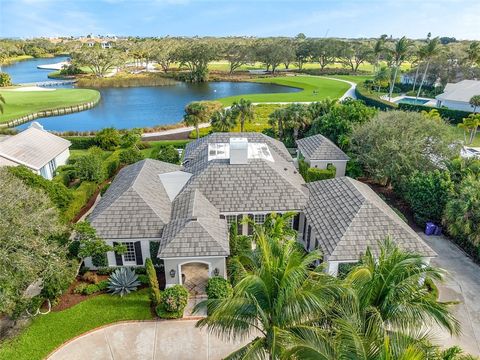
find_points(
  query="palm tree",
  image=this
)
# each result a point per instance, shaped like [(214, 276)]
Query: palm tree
[(381, 77), (398, 55), (297, 118), (2, 101), (277, 118), (278, 293), (474, 102), (470, 125), (429, 51), (223, 120), (391, 287), (378, 50), (244, 109), (195, 113)]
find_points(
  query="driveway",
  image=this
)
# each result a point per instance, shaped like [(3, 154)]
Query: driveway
[(461, 284), (173, 339)]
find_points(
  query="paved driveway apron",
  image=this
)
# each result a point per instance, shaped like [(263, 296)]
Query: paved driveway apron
[(462, 284), (152, 340)]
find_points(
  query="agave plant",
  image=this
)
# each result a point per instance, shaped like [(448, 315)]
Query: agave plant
[(122, 282)]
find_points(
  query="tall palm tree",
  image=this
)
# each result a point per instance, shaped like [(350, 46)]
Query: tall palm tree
[(391, 286), (277, 119), (278, 293), (244, 109), (2, 101), (195, 113), (378, 50), (470, 125), (398, 55), (223, 120), (474, 102), (297, 118), (429, 51)]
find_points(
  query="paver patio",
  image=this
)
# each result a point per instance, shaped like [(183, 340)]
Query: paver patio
[(153, 340)]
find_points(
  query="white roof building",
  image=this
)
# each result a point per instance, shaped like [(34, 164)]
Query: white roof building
[(36, 149), (457, 95)]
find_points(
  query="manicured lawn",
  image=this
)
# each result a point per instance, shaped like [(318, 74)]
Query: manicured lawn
[(315, 88), (353, 78), (48, 332), (20, 103)]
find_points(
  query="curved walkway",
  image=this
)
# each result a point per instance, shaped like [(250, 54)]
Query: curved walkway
[(153, 340)]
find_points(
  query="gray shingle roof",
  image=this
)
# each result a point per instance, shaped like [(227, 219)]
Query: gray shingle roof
[(260, 185), (136, 204), (195, 230), (348, 217), (318, 147)]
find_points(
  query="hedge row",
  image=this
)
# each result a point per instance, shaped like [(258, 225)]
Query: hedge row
[(81, 195), (453, 116), (373, 100), (81, 142)]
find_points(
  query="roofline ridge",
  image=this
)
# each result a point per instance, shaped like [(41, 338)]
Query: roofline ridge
[(207, 230)]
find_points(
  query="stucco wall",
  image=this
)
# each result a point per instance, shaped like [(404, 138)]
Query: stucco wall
[(457, 105), (176, 265)]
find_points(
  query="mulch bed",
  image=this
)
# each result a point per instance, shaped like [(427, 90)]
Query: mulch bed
[(69, 298)]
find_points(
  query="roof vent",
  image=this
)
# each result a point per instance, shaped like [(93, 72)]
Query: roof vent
[(238, 151)]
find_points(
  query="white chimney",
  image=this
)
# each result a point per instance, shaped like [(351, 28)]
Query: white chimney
[(238, 151)]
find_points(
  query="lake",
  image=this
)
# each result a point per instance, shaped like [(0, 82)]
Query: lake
[(135, 107)]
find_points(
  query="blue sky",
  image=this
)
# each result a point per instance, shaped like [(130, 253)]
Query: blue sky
[(341, 18)]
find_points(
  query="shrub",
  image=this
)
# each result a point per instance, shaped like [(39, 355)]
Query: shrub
[(123, 281), (80, 288), (90, 277), (432, 288), (155, 295), (90, 167), (112, 163), (154, 246), (142, 145), (100, 260), (80, 197), (5, 79), (58, 193), (130, 138), (175, 298), (105, 270), (166, 153), (108, 138), (372, 99), (59, 281), (130, 156), (453, 116), (314, 174), (81, 142), (143, 279), (90, 289), (235, 270), (427, 194), (218, 288), (140, 270)]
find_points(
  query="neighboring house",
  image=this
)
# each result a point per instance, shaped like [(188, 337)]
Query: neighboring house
[(457, 96), (185, 211), (319, 152), (36, 149)]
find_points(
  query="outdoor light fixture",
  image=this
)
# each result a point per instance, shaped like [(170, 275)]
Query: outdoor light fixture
[(172, 273), (216, 272)]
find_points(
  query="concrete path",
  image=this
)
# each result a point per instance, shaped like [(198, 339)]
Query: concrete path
[(462, 284), (152, 340), (179, 130)]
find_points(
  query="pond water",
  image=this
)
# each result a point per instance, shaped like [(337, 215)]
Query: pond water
[(135, 107)]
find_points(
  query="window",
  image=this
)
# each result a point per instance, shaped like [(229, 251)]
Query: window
[(259, 218), (231, 219), (52, 165), (129, 256)]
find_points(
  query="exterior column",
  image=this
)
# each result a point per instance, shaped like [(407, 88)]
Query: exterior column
[(332, 268)]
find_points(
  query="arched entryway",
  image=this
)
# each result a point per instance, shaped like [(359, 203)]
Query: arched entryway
[(194, 277)]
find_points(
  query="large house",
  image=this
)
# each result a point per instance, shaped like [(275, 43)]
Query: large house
[(181, 214), (457, 95), (37, 149)]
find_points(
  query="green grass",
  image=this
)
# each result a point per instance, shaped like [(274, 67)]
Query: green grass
[(314, 88), (48, 332), (21, 103), (353, 78), (459, 135)]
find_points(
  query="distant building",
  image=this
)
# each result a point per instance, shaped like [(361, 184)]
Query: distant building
[(457, 96), (36, 149)]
